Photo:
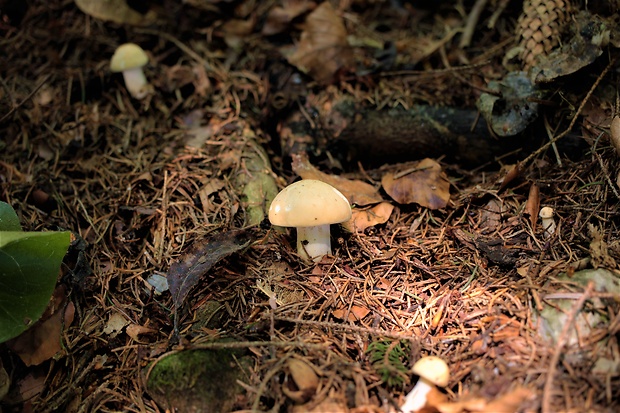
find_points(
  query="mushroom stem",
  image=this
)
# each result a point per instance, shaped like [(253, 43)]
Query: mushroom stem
[(136, 83), (416, 399), (313, 242)]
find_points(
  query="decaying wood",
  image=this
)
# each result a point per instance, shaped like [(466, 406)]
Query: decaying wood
[(379, 136), (398, 134), (391, 135)]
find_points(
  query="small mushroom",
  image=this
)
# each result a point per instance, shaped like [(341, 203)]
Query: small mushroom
[(548, 223), (129, 58), (432, 371), (310, 206)]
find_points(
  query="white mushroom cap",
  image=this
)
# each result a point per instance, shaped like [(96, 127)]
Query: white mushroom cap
[(309, 203), (128, 56), (546, 212), (432, 369)]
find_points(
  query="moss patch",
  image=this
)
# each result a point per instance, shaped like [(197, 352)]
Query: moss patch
[(196, 381)]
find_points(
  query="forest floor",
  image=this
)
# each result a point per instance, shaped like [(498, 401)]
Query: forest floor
[(452, 262)]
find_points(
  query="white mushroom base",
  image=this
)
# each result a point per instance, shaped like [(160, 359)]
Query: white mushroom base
[(136, 82), (416, 399), (313, 242)]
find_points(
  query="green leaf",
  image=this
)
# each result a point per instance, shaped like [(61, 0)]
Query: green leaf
[(29, 265), (8, 218)]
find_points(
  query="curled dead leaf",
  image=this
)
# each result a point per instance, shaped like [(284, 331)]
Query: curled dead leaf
[(135, 330), (357, 192), (425, 184), (303, 381), (368, 217)]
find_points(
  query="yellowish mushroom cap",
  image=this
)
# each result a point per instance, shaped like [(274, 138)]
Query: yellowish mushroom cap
[(128, 56), (432, 369), (309, 203)]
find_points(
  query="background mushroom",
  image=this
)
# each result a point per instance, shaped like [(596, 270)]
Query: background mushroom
[(433, 371), (548, 223), (129, 59), (311, 206)]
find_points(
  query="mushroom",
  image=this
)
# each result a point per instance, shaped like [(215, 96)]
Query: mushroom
[(129, 58), (310, 206), (548, 223), (432, 371)]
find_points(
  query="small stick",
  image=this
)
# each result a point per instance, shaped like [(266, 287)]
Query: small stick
[(472, 21)]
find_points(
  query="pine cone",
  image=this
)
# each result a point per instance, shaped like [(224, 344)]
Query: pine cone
[(539, 27)]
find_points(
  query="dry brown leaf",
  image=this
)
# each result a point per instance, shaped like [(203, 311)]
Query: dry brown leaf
[(513, 173), (115, 324), (491, 216), (116, 11), (42, 341), (355, 313), (135, 330), (356, 192), (533, 205), (368, 217), (524, 270), (323, 48), (211, 187), (507, 403), (186, 272), (279, 17), (32, 385), (304, 381), (426, 185)]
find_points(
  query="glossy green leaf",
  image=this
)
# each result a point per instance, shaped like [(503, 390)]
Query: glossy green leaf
[(29, 265), (8, 218)]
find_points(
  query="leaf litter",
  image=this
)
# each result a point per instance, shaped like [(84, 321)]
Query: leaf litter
[(463, 281)]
